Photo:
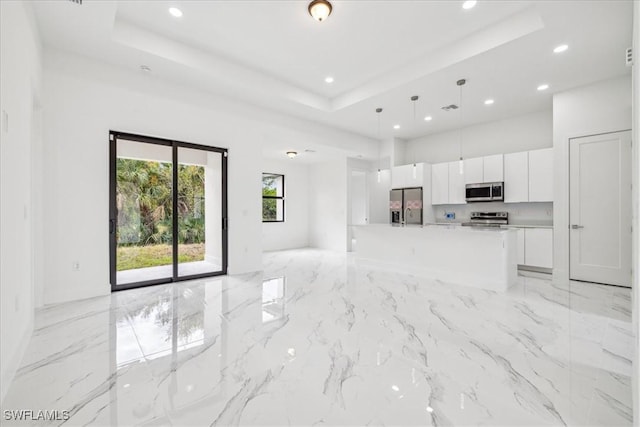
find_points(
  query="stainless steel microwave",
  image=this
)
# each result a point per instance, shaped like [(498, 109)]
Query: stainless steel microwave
[(486, 192)]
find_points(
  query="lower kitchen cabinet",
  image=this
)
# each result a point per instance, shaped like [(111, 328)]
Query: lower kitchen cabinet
[(538, 247)]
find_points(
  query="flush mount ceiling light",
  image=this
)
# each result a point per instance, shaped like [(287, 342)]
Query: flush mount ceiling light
[(561, 48), (328, 79), (428, 119), (469, 4), (320, 9), (489, 102), (292, 154), (396, 126), (543, 87), (174, 11)]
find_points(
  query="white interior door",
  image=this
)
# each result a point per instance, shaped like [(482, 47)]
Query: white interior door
[(600, 208)]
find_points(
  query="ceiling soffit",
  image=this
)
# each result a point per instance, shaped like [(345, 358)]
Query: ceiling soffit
[(257, 83)]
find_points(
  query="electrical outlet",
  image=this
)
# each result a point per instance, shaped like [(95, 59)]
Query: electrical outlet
[(75, 266)]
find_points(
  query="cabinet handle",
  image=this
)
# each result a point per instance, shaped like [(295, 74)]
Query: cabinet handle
[(576, 226)]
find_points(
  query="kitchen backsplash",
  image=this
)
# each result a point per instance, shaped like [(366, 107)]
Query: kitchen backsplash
[(519, 213)]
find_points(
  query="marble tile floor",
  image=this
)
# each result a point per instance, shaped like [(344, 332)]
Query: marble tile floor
[(317, 339)]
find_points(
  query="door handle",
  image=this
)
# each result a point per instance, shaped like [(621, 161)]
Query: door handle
[(576, 226), (112, 226)]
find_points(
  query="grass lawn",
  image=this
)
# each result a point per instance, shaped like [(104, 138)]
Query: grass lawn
[(130, 257)]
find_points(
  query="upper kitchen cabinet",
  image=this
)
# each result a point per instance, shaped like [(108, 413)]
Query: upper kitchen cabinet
[(440, 184), (483, 169), (493, 168), (541, 175), (528, 176), (456, 184), (447, 184), (407, 176), (516, 177), (473, 170)]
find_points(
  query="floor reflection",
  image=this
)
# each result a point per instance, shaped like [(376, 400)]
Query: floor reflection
[(273, 299)]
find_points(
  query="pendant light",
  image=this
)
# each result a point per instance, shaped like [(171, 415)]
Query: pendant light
[(460, 83), (378, 111), (414, 98)]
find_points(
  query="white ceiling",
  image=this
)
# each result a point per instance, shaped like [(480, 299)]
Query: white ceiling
[(273, 54)]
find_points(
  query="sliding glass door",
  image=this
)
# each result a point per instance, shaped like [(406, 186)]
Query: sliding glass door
[(167, 211)]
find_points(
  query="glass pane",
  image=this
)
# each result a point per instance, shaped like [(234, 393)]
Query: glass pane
[(144, 203), (272, 185), (199, 211), (273, 210)]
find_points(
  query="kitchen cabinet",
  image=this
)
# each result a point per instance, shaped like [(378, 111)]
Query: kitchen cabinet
[(473, 170), (492, 168), (516, 177), (528, 176), (538, 247), (405, 177), (440, 184), (483, 169), (447, 184), (541, 175), (456, 184)]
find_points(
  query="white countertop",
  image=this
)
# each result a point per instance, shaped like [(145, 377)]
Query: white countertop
[(454, 227), (530, 224)]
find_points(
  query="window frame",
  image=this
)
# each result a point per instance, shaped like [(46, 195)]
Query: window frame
[(275, 197)]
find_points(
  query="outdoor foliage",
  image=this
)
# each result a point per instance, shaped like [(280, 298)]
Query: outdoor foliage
[(144, 201)]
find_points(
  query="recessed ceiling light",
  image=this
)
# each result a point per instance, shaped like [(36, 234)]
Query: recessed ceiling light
[(428, 118), (175, 12), (328, 79), (396, 126), (488, 102), (560, 48), (543, 87), (145, 68), (469, 4)]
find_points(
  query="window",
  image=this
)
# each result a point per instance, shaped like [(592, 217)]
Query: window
[(272, 197)]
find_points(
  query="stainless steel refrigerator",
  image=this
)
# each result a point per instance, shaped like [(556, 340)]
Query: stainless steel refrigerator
[(405, 206)]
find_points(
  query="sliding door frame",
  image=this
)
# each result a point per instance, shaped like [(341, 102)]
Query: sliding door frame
[(113, 210)]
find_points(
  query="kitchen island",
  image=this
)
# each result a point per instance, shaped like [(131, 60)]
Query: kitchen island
[(471, 256)]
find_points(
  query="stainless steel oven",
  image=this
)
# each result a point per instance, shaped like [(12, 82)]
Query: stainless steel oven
[(486, 192)]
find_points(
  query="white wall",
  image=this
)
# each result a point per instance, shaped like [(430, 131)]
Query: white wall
[(20, 81), (599, 108), (294, 231), (379, 196), (521, 133), (328, 205), (84, 99)]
